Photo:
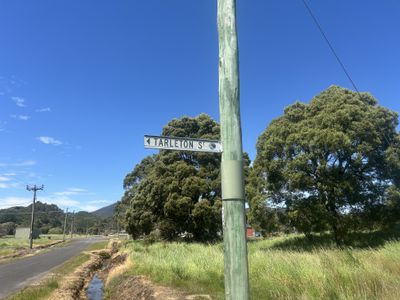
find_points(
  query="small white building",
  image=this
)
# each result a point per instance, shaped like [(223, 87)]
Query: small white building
[(22, 233)]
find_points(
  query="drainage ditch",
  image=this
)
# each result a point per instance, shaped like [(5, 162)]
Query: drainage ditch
[(94, 290)]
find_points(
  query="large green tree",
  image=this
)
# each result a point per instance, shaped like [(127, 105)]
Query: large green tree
[(333, 163), (176, 194)]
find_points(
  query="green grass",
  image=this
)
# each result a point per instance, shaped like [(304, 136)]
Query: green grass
[(44, 289), (97, 246), (9, 245), (280, 268), (40, 292)]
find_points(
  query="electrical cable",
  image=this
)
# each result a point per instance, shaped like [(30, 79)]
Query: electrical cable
[(335, 54), (330, 46)]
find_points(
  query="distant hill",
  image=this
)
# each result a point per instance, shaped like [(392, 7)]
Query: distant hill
[(105, 212), (48, 216)]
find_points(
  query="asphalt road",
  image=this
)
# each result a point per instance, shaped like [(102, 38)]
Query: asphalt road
[(18, 274)]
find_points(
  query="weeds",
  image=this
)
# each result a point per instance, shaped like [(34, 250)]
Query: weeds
[(292, 271)]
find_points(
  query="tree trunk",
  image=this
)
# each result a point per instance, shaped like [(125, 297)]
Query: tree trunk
[(335, 222)]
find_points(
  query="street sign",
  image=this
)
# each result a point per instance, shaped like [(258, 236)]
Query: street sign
[(181, 144)]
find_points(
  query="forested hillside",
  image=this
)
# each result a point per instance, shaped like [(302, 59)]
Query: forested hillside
[(49, 218)]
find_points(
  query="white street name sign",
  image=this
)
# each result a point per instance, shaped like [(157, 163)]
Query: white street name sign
[(181, 144)]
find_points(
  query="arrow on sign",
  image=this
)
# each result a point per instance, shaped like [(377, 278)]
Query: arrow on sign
[(182, 144)]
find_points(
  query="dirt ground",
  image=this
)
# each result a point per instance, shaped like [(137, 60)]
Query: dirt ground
[(134, 287), (140, 288)]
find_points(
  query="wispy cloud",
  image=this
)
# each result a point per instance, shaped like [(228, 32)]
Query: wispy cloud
[(7, 181), (20, 102), (72, 191), (21, 117), (41, 110), (62, 201), (8, 185), (49, 140), (25, 163), (14, 201), (2, 125)]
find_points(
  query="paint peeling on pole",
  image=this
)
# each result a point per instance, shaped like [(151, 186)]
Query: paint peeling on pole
[(235, 246)]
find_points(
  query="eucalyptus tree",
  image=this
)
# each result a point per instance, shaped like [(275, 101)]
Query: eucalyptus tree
[(177, 194), (333, 163)]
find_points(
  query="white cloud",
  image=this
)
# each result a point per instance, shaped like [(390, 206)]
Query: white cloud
[(14, 201), (49, 140), (98, 201), (46, 109), (25, 163), (2, 125), (90, 208), (21, 117), (7, 181), (20, 102), (71, 191), (7, 185), (62, 201)]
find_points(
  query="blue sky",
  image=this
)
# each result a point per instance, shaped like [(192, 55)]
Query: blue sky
[(81, 82)]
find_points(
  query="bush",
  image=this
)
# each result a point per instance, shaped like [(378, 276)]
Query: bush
[(7, 228), (55, 230)]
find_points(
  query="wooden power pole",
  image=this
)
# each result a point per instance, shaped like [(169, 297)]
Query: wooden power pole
[(34, 189), (235, 244), (72, 223), (65, 224)]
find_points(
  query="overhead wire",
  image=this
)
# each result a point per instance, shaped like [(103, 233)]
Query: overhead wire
[(321, 30)]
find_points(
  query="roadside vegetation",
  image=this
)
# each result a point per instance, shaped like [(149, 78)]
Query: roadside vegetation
[(43, 289), (46, 287), (10, 245), (288, 267), (329, 165)]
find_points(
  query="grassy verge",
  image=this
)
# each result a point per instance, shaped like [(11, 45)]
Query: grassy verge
[(277, 272), (45, 288), (98, 246), (9, 245)]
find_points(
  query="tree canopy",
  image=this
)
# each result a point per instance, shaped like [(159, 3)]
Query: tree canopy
[(176, 194), (333, 164)]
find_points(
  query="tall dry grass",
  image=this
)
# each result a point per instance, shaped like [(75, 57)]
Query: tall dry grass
[(277, 272)]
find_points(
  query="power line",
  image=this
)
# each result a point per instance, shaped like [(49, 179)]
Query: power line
[(336, 55), (330, 46)]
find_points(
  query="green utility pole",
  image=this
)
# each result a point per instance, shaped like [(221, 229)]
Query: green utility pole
[(235, 246)]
